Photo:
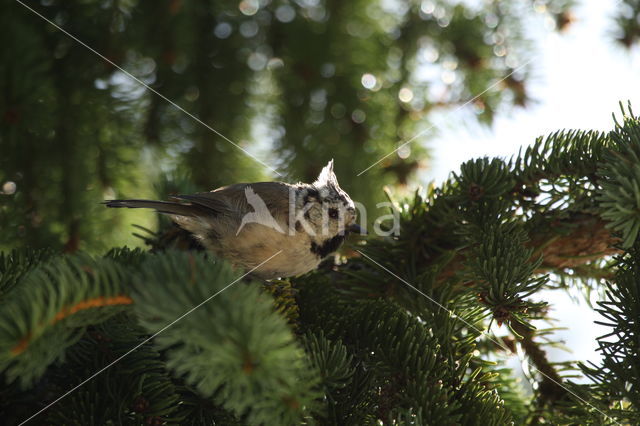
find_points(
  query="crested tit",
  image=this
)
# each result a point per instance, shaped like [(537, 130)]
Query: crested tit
[(247, 223)]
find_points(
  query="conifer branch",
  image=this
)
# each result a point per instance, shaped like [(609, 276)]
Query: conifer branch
[(96, 302), (573, 241), (550, 383), (562, 243)]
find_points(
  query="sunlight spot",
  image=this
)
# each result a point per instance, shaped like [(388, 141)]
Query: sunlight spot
[(404, 151), (100, 84), (257, 61), (539, 6), (368, 81), (429, 54), (448, 77), (249, 7), (450, 64), (249, 29), (427, 7), (405, 95), (358, 116), (512, 61), (275, 63), (223, 30), (285, 13), (9, 188)]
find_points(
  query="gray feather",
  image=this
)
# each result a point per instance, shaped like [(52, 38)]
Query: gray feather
[(209, 200)]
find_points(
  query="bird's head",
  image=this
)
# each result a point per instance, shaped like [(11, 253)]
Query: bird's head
[(327, 209)]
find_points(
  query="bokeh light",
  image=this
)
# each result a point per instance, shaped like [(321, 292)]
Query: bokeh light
[(9, 188), (368, 81), (405, 95)]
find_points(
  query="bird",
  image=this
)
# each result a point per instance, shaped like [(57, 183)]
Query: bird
[(249, 223)]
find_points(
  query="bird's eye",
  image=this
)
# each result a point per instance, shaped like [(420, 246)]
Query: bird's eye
[(333, 213)]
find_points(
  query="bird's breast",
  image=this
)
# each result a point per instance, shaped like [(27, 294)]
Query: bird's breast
[(257, 243)]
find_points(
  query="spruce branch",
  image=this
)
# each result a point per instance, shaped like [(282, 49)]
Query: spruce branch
[(551, 387), (619, 196), (617, 379), (50, 308), (284, 295), (496, 228), (333, 361), (234, 348), (413, 369), (501, 269), (564, 243), (137, 389), (16, 263), (565, 153)]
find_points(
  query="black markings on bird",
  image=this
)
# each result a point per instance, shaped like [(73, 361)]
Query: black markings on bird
[(328, 247), (312, 194)]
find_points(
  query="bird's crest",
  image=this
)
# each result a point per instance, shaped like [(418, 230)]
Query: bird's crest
[(327, 184)]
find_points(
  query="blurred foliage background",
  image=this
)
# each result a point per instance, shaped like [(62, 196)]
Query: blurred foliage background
[(295, 83)]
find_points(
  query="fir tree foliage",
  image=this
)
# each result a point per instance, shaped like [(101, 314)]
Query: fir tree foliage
[(310, 81), (250, 341), (134, 390), (627, 31), (501, 264), (250, 355), (617, 381), (620, 173), (53, 303), (397, 334), (14, 264), (412, 372)]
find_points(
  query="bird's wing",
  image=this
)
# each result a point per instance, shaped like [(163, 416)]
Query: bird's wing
[(275, 196), (211, 201)]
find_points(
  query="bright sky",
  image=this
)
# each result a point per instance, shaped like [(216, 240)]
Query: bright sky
[(579, 78)]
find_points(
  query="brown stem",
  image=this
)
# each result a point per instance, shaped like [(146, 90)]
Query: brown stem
[(551, 388), (563, 243), (589, 240)]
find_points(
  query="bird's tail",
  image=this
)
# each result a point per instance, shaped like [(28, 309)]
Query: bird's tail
[(166, 207)]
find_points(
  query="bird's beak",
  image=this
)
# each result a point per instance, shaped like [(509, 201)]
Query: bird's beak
[(354, 228)]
